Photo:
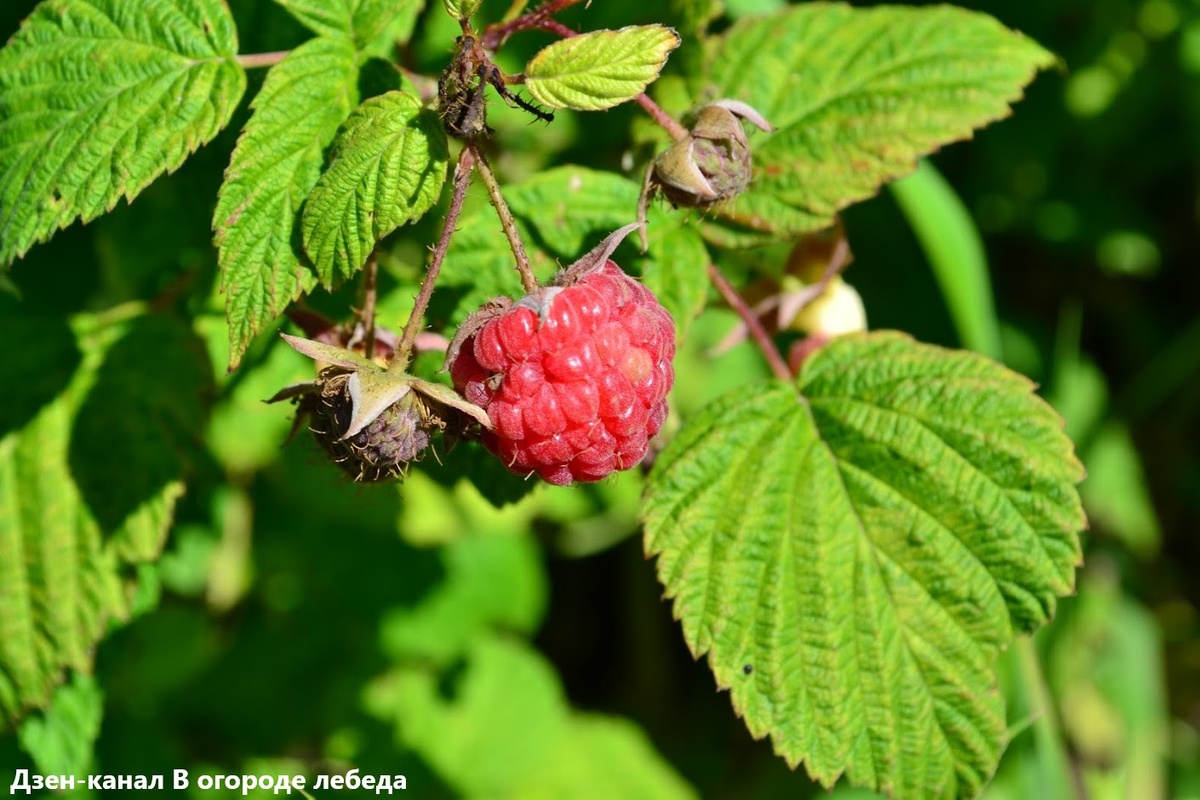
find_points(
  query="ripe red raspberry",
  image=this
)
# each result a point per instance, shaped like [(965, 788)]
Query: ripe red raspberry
[(574, 377)]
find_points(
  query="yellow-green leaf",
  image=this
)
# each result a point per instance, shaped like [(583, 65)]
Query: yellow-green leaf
[(599, 70)]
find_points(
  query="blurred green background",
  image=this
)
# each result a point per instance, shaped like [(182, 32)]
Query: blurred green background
[(300, 624)]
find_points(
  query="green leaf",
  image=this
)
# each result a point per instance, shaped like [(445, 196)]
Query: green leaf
[(1116, 494), (360, 20), (461, 9), (388, 166), (852, 552), (1106, 670), (60, 741), (99, 98), (507, 732), (491, 580), (595, 71), (275, 165), (571, 207), (90, 470), (398, 30), (856, 96)]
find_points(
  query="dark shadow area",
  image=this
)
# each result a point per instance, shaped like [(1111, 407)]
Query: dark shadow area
[(142, 419), (283, 672), (40, 359), (613, 640)]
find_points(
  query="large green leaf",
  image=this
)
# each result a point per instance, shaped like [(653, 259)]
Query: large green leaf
[(388, 166), (507, 731), (599, 70), (494, 580), (360, 20), (91, 464), (571, 208), (852, 552), (60, 741), (275, 165), (856, 95), (99, 98)]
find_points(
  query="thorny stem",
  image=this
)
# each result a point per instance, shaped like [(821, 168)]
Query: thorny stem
[(497, 33), (462, 179), (556, 27), (665, 120), (262, 59), (528, 279), (369, 295), (757, 332)]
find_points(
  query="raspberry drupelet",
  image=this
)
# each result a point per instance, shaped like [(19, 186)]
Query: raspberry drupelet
[(574, 378)]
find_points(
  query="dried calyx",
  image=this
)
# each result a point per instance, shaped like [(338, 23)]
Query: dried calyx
[(711, 163), (373, 421)]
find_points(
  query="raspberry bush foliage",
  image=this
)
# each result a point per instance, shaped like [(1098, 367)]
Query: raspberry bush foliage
[(510, 248)]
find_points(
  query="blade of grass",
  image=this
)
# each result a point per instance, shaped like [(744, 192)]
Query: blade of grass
[(952, 244)]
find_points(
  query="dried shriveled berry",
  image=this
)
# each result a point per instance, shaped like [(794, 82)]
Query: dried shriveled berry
[(371, 420), (385, 445)]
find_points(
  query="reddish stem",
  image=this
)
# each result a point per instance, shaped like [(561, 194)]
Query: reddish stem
[(496, 34), (462, 179), (557, 28), (262, 59), (370, 295), (757, 331), (665, 120)]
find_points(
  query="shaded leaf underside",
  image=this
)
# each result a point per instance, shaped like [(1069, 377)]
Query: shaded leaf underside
[(89, 477)]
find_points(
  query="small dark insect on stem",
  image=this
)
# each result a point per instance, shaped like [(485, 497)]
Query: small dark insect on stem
[(491, 73), (462, 179)]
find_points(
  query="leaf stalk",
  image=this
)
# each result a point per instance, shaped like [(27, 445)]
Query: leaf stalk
[(750, 320), (257, 60), (528, 279), (462, 179)]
